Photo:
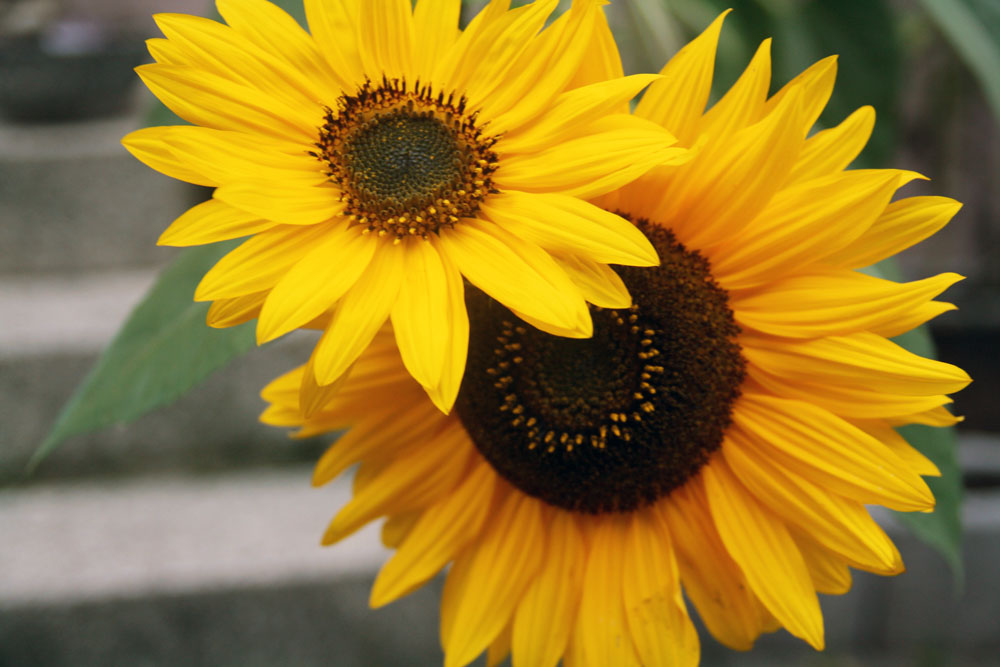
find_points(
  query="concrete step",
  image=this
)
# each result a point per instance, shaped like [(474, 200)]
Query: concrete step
[(225, 569), (72, 199), (51, 334)]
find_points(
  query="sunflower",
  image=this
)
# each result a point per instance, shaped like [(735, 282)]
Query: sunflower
[(716, 441), (381, 159)]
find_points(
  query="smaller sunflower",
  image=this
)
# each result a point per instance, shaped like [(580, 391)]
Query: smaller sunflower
[(719, 438), (379, 162)]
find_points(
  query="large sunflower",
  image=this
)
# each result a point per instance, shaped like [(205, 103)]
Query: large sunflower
[(720, 437), (384, 157)]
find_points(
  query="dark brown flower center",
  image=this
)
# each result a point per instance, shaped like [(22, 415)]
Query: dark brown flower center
[(616, 421), (407, 162)]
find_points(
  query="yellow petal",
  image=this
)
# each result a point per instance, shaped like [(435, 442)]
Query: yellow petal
[(846, 398), (802, 225), (765, 552), (830, 151), (334, 26), (602, 61), (237, 310), (147, 146), (397, 527), (486, 583), (838, 524), (589, 166), (657, 616), (544, 616), (416, 478), (225, 156), (435, 28), (829, 451), (316, 282), (313, 397), (598, 283), (743, 104), (212, 221), (859, 359), (816, 83), (829, 574), (712, 581), (443, 395), (287, 202), (420, 313), (385, 39), (919, 463), (902, 224), (381, 434), (544, 71), (729, 181), (601, 635), (518, 274), (831, 303), (358, 316), (570, 225), (438, 537), (572, 110), (272, 30), (487, 62), (677, 100), (259, 262), (212, 101), (222, 51), (499, 648)]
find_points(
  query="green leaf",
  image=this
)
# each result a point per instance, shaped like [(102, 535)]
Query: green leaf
[(942, 528), (973, 28), (164, 349)]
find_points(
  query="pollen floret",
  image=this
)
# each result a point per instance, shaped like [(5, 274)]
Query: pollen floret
[(408, 161)]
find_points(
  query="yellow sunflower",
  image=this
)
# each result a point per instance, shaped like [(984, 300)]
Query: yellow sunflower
[(720, 437), (380, 159)]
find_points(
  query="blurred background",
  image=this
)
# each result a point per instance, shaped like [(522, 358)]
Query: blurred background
[(190, 535)]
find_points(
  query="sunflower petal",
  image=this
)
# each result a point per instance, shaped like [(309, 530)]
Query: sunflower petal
[(677, 100), (358, 316), (832, 303), (763, 548), (657, 616), (838, 524), (415, 478), (490, 579), (902, 224), (598, 283), (544, 617), (258, 263), (147, 146), (443, 395), (830, 151), (316, 282), (420, 314), (828, 450), (438, 537), (601, 635), (385, 39), (518, 274), (860, 360), (712, 581), (212, 221), (570, 225)]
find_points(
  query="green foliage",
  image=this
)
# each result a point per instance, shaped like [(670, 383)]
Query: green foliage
[(973, 28), (163, 350)]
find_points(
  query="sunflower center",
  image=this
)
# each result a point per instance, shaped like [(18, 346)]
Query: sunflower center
[(616, 421), (407, 161)]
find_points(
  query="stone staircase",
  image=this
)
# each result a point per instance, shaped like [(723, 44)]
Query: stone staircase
[(190, 536)]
